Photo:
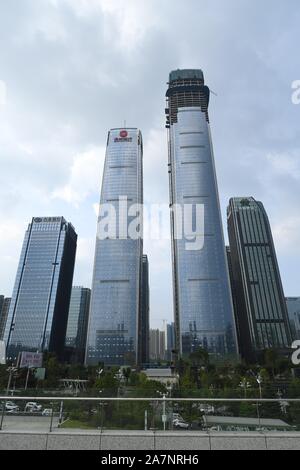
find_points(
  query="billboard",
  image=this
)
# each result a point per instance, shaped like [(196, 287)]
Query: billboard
[(30, 359)]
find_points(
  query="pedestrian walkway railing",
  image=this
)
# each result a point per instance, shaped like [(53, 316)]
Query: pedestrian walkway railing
[(163, 413)]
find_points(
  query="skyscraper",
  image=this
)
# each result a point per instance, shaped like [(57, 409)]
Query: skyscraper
[(114, 323), (202, 301), (38, 313), (3, 315), (170, 341), (1, 303), (144, 316), (293, 306), (77, 323), (260, 304), (157, 345)]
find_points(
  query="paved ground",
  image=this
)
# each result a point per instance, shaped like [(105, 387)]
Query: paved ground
[(139, 440), (28, 423)]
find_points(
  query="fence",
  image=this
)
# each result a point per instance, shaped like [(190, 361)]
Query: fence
[(45, 414)]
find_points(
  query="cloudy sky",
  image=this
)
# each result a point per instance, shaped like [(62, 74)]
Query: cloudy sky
[(72, 69)]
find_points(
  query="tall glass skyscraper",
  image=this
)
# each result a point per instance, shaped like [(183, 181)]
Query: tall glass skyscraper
[(144, 313), (3, 315), (114, 320), (293, 306), (202, 301), (77, 323), (261, 311), (38, 313)]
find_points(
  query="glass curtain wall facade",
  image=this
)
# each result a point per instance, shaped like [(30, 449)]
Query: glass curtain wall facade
[(4, 315), (114, 323), (202, 300), (261, 311), (293, 306), (38, 312), (77, 323), (144, 316)]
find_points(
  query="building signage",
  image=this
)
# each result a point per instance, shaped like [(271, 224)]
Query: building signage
[(29, 359), (123, 137)]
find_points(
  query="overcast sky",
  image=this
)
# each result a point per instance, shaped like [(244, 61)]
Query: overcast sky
[(72, 69)]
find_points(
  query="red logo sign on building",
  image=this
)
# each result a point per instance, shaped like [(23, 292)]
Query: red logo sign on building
[(123, 134)]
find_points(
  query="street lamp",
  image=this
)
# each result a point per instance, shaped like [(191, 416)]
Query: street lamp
[(245, 385), (11, 370), (164, 416)]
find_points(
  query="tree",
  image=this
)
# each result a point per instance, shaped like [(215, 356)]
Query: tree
[(271, 360), (127, 374), (199, 358)]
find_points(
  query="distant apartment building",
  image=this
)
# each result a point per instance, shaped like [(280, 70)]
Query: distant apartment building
[(157, 345), (38, 313)]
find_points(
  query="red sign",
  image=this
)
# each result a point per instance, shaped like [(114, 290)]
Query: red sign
[(123, 134)]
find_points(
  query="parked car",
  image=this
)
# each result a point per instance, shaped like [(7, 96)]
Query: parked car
[(11, 407), (180, 424), (177, 416), (47, 412), (32, 407)]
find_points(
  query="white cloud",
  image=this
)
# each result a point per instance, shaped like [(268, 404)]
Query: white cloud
[(85, 249), (287, 235), (126, 23), (285, 164), (11, 237), (85, 177)]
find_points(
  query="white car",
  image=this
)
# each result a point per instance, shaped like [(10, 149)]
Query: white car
[(47, 412), (11, 407), (180, 424), (33, 407), (177, 416)]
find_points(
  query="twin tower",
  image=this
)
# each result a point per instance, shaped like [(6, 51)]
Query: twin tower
[(203, 307)]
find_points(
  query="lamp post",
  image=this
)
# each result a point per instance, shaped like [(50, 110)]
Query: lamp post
[(11, 370), (164, 416), (258, 379), (245, 385)]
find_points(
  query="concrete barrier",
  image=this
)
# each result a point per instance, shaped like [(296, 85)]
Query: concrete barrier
[(147, 440)]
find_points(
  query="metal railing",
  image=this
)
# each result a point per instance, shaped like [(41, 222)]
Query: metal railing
[(149, 414)]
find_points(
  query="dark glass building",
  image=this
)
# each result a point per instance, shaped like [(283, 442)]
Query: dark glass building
[(113, 331), (170, 341), (1, 320), (293, 306), (38, 312), (3, 315), (261, 312), (144, 315), (77, 324), (202, 301)]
